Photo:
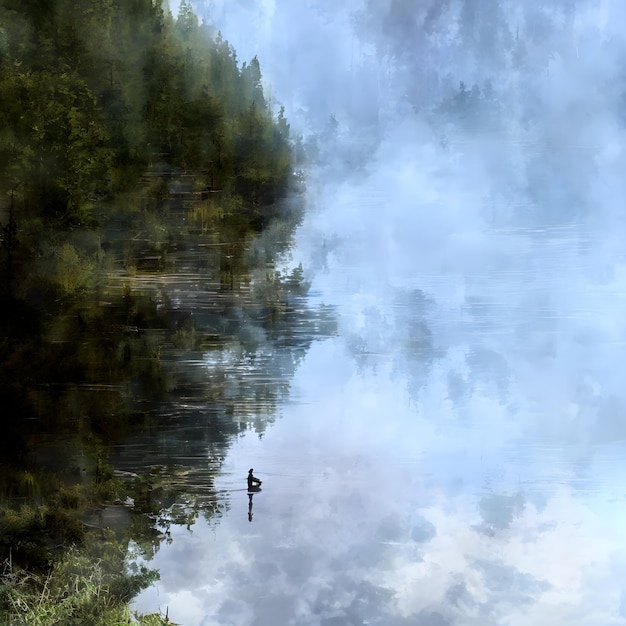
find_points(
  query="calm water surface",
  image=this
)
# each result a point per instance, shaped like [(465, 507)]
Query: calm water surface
[(452, 454)]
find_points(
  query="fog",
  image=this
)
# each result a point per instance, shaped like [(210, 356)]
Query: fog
[(455, 455)]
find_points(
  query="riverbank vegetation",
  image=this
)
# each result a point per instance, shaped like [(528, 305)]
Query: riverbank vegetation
[(128, 138)]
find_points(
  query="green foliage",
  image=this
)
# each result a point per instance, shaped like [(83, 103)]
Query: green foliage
[(105, 104), (94, 92), (58, 563), (73, 270), (51, 511), (124, 135), (77, 590)]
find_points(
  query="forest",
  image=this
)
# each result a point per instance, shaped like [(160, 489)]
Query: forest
[(126, 135)]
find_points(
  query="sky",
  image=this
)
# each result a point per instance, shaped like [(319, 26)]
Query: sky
[(455, 454)]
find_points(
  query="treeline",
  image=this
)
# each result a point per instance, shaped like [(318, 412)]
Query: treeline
[(95, 92), (111, 112), (126, 137)]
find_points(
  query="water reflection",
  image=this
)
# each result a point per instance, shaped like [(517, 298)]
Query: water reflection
[(453, 454), (250, 507), (429, 469), (397, 522)]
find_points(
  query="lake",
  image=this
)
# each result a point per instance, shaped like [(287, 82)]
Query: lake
[(441, 429), (432, 457), (372, 250)]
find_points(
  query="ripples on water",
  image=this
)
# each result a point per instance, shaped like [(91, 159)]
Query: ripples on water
[(438, 429), (422, 458)]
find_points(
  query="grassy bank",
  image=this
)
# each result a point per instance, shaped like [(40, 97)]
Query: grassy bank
[(59, 565), (77, 590)]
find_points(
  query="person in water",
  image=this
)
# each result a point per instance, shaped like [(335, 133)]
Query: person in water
[(252, 480)]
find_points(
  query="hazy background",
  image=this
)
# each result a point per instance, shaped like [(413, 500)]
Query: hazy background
[(455, 455)]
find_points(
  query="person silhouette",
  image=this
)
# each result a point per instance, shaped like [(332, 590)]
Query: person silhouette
[(253, 483)]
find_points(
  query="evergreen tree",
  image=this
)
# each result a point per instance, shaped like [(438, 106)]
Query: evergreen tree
[(104, 104)]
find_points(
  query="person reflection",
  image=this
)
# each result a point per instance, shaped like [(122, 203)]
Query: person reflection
[(250, 507)]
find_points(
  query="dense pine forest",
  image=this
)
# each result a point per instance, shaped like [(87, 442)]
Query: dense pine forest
[(126, 134)]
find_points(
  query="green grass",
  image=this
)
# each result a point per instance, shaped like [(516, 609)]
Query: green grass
[(55, 569), (76, 591)]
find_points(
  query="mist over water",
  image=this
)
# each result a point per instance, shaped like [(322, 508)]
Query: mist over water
[(455, 454)]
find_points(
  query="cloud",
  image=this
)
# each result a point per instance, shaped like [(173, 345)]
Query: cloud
[(452, 456), (363, 524)]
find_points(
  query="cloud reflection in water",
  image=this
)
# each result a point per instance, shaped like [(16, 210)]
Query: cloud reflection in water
[(455, 454)]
